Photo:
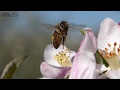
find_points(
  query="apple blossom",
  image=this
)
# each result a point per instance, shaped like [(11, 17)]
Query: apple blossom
[(109, 46)]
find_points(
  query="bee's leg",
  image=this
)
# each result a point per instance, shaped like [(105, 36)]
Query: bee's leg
[(52, 39), (63, 42), (63, 45)]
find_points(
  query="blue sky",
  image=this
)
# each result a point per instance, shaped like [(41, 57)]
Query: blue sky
[(91, 18)]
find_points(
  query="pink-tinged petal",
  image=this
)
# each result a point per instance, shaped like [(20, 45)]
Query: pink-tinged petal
[(108, 34), (53, 72), (84, 64), (113, 74), (49, 52), (92, 36), (91, 43)]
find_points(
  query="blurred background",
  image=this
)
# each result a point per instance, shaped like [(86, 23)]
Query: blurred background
[(21, 34)]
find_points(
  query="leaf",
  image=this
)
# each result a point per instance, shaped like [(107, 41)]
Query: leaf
[(12, 66), (83, 32), (105, 62), (103, 72), (100, 59)]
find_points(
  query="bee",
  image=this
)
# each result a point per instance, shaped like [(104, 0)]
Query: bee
[(60, 32)]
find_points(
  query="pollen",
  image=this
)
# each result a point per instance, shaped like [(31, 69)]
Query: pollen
[(52, 38), (112, 56), (63, 58)]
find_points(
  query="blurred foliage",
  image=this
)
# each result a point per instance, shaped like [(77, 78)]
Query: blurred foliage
[(16, 40), (11, 67)]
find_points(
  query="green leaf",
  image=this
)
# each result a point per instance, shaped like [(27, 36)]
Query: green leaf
[(105, 62), (83, 32), (103, 72), (12, 66), (100, 59)]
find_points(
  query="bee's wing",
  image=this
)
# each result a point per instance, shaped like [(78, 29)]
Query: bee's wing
[(48, 26), (74, 27)]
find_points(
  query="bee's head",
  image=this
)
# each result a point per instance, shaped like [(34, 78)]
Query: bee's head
[(64, 25)]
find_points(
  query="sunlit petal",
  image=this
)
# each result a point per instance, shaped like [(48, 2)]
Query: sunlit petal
[(49, 52), (108, 34)]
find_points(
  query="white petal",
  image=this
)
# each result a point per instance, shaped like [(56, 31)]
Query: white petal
[(49, 52), (104, 68), (108, 34), (113, 74)]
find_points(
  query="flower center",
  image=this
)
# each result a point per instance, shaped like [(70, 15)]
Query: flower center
[(63, 58), (112, 56)]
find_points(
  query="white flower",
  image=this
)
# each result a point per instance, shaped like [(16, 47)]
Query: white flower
[(109, 46), (57, 61)]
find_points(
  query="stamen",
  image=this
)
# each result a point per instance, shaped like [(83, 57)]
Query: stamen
[(106, 49), (113, 56), (118, 49), (63, 59), (115, 44), (100, 51), (109, 45)]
